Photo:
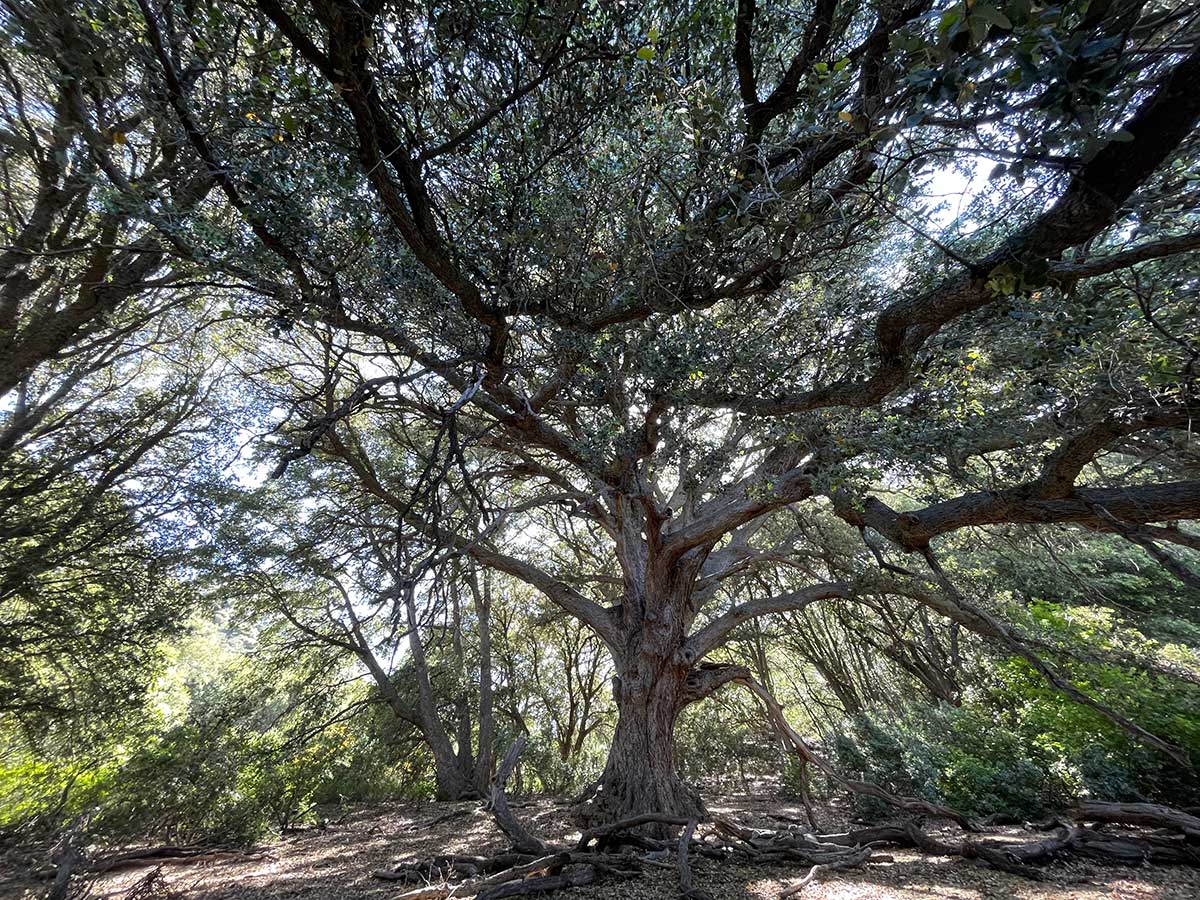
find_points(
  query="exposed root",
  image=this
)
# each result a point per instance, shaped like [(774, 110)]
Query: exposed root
[(604, 802), (1068, 842), (620, 851), (610, 851), (453, 866), (814, 871), (622, 828), (903, 834), (687, 889), (801, 884), (574, 877), (604, 853), (76, 862), (1148, 814), (1086, 843)]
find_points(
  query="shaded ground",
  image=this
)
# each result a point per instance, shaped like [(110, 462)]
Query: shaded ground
[(338, 862)]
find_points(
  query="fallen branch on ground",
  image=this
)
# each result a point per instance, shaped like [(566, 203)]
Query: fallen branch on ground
[(155, 856), (687, 890), (440, 820), (534, 866), (174, 856)]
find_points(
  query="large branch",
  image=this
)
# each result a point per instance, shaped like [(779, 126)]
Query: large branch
[(495, 398), (714, 633), (590, 613), (742, 56), (382, 153), (1138, 504), (786, 93), (570, 600), (197, 137), (1051, 497), (781, 479), (1066, 273), (1091, 203)]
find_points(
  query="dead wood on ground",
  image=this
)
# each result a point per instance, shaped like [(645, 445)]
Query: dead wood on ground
[(619, 850)]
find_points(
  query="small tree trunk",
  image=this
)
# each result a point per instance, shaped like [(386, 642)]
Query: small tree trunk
[(452, 781), (462, 738), (487, 721)]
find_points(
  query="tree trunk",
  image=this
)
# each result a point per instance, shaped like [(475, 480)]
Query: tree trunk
[(640, 775), (451, 780), (487, 720)]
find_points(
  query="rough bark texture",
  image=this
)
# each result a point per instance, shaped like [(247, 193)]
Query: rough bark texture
[(640, 775)]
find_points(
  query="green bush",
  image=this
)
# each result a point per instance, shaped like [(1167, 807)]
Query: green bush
[(959, 756), (228, 760), (1094, 757)]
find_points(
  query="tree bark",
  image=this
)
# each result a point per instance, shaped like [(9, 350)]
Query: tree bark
[(656, 677), (640, 776), (487, 719), (451, 780)]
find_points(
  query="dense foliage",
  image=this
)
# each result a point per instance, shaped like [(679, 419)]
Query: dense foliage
[(380, 382)]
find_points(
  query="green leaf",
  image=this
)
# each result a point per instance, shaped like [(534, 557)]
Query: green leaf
[(646, 53), (992, 15), (979, 27), (949, 19)]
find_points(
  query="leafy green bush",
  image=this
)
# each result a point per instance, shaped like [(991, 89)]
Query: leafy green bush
[(1021, 749), (960, 756), (225, 756), (383, 761), (1092, 755)]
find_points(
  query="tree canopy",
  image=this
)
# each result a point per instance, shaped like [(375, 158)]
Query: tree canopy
[(680, 342)]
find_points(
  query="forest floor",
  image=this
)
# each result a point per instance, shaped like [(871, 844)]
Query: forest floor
[(337, 862)]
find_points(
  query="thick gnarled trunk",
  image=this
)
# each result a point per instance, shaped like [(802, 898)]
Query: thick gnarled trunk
[(655, 679), (640, 775)]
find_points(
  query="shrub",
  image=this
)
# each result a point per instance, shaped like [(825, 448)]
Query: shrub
[(962, 757)]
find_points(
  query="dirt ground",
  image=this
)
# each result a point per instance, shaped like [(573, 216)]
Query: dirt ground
[(337, 863)]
